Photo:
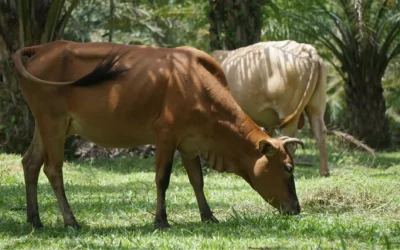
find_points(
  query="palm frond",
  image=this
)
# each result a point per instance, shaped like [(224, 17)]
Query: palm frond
[(52, 20), (64, 20)]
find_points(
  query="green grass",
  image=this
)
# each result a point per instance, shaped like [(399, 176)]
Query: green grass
[(358, 207)]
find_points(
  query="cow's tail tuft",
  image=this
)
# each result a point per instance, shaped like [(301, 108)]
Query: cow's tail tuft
[(105, 70)]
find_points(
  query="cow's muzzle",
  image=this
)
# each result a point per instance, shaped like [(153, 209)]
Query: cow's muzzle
[(292, 209)]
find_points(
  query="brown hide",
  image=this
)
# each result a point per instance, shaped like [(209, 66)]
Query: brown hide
[(124, 96)]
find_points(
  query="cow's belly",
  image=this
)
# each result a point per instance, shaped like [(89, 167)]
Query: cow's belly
[(113, 133), (257, 105), (267, 117), (265, 104)]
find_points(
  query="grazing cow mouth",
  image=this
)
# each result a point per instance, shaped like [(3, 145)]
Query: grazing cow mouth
[(291, 209)]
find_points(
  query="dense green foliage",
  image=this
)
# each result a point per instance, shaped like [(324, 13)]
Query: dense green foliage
[(361, 38), (358, 207), (24, 23), (174, 23), (160, 23)]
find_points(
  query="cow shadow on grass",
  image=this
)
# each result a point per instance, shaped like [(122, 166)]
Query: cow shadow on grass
[(253, 227), (128, 165), (124, 165), (106, 200)]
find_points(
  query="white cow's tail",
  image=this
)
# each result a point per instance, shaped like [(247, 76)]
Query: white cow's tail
[(315, 75)]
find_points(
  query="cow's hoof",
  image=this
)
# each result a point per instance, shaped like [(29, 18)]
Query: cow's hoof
[(324, 174), (35, 222), (209, 219), (36, 225), (75, 225), (162, 225)]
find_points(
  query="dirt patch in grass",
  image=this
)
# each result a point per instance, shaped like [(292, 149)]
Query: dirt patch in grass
[(10, 168)]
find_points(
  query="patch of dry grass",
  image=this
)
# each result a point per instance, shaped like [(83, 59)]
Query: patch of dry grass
[(339, 199)]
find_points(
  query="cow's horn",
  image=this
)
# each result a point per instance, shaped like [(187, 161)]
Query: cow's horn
[(289, 140)]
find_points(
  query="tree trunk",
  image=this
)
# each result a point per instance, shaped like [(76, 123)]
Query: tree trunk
[(15, 119), (23, 23), (235, 23), (365, 114)]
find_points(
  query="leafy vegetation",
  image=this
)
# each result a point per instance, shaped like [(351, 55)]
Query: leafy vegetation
[(363, 41), (24, 23), (343, 35), (160, 23), (235, 24), (358, 207)]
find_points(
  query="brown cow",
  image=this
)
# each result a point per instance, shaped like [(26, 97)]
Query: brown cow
[(124, 96)]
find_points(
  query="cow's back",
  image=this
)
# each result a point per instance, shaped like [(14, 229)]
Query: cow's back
[(160, 86), (269, 79)]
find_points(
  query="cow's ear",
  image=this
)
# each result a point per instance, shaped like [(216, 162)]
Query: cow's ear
[(267, 148)]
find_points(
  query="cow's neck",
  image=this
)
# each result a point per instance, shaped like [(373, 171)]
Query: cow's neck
[(234, 144)]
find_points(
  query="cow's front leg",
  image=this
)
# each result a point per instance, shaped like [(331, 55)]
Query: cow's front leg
[(164, 159), (193, 169)]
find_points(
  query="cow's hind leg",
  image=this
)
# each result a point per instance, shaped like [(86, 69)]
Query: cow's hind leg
[(315, 110), (319, 131), (32, 163), (164, 158), (193, 168), (53, 136)]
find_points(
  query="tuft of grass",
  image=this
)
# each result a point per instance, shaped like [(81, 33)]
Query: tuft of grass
[(358, 207)]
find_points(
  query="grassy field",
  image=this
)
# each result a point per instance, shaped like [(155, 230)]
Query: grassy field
[(358, 207)]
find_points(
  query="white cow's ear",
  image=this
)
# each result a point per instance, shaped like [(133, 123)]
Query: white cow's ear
[(267, 148)]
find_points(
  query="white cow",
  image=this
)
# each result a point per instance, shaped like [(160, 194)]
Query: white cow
[(274, 82)]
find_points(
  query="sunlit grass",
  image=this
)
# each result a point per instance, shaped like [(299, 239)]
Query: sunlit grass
[(114, 201)]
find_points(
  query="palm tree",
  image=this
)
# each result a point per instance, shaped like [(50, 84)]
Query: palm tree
[(365, 38), (235, 23), (24, 23)]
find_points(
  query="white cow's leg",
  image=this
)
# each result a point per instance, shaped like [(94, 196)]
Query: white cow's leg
[(315, 110), (319, 131)]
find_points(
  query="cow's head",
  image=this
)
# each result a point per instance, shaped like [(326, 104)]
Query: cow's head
[(272, 175)]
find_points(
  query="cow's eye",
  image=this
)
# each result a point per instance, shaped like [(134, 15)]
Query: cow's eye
[(289, 167)]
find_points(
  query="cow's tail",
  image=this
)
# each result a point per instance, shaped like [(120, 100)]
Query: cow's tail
[(19, 65), (316, 70), (105, 69)]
